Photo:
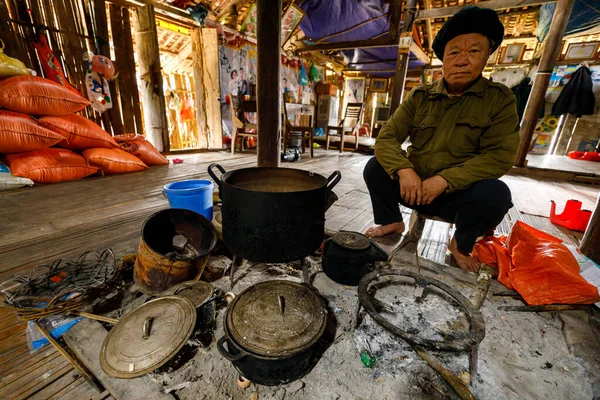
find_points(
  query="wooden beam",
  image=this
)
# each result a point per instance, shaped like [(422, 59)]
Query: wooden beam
[(590, 244), (403, 55), (183, 55), (268, 36), (153, 99), (542, 78), (338, 66), (443, 12), (419, 53)]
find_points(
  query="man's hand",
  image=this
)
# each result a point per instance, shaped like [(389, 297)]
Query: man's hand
[(410, 186), (432, 188)]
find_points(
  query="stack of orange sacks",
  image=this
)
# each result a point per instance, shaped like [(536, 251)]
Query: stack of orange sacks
[(83, 147)]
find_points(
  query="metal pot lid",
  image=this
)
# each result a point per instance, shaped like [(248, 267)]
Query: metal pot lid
[(148, 337), (198, 292), (352, 240), (276, 318)]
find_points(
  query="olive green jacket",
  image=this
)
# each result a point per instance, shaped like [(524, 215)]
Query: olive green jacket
[(463, 138)]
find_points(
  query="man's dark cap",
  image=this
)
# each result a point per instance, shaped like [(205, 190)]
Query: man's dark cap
[(470, 19)]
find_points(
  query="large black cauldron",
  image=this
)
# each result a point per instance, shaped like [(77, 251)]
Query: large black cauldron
[(274, 215)]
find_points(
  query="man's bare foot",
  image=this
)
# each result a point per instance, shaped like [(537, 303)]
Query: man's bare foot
[(464, 261), (382, 230)]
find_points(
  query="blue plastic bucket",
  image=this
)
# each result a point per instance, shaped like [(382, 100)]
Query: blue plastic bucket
[(195, 195)]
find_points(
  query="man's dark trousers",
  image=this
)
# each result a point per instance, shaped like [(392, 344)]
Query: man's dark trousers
[(475, 210)]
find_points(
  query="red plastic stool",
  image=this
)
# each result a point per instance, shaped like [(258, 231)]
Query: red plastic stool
[(572, 217)]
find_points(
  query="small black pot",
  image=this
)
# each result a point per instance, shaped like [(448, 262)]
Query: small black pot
[(348, 256), (269, 371)]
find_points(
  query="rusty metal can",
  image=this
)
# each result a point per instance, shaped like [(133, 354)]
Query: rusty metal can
[(175, 247)]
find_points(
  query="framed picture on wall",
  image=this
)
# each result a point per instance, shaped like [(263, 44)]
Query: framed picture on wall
[(289, 22), (528, 55), (354, 90), (513, 53), (582, 51), (249, 24), (378, 85)]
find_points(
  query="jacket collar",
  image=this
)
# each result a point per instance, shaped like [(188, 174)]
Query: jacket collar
[(439, 88)]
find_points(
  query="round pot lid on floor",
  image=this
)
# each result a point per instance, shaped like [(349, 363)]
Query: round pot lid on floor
[(276, 318), (352, 240), (148, 337), (198, 292)]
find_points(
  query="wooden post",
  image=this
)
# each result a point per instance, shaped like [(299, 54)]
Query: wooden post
[(153, 98), (542, 78), (590, 244), (268, 35), (403, 54)]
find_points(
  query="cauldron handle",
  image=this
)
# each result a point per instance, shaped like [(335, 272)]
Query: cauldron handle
[(333, 179), (225, 353), (212, 174)]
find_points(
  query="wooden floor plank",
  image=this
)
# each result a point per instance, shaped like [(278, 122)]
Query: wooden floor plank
[(28, 363), (29, 382), (57, 386)]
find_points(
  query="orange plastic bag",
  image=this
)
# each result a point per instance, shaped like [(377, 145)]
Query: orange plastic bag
[(20, 132), (541, 268), (79, 133), (114, 161), (39, 96), (141, 148), (51, 165)]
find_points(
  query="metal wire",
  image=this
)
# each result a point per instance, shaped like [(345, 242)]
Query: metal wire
[(62, 286)]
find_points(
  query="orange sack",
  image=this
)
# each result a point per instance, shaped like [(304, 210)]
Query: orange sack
[(536, 265), (20, 132), (39, 96), (114, 161), (51, 165), (141, 148), (79, 133)]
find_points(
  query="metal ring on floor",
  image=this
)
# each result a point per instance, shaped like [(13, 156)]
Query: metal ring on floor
[(464, 343)]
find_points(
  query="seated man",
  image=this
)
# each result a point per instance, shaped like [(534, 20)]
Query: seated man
[(464, 136)]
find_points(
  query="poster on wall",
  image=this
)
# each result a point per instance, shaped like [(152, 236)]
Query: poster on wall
[(238, 70)]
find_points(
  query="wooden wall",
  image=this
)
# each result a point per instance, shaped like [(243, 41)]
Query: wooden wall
[(75, 27)]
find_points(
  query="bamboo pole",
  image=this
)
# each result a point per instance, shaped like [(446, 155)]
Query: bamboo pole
[(403, 54), (542, 78)]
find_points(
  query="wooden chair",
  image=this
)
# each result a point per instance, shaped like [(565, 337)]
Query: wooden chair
[(306, 132), (348, 124), (242, 128)]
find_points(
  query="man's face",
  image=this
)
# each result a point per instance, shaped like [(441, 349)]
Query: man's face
[(465, 57), (241, 74)]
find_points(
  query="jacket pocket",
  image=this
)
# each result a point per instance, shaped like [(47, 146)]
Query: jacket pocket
[(422, 130), (468, 132)]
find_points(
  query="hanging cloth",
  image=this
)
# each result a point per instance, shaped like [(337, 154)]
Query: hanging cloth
[(50, 64), (577, 97)]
